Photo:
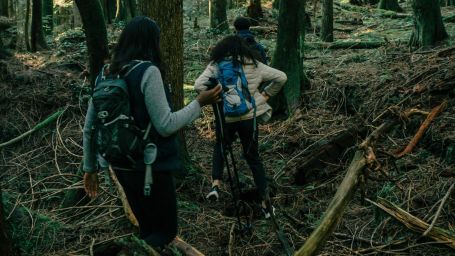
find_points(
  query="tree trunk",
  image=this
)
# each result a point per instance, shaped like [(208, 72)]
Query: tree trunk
[(428, 25), (132, 7), (27, 25), (6, 247), (254, 11), (276, 4), (4, 8), (447, 2), (391, 5), (37, 42), (218, 15), (327, 21), (120, 13), (48, 16), (95, 33), (288, 54), (171, 43)]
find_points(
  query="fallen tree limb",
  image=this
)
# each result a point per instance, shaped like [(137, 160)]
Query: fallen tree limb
[(336, 207), (415, 223), (363, 156), (348, 44), (126, 206), (434, 112), (185, 248), (38, 127), (438, 212)]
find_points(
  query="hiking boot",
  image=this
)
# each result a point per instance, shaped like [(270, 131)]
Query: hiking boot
[(266, 212), (214, 194)]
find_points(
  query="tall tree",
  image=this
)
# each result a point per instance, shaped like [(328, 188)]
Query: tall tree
[(428, 25), (288, 55), (37, 42), (121, 12), (327, 21), (6, 248), (132, 7), (48, 16), (254, 10), (109, 8), (218, 14), (4, 8), (391, 5), (169, 16), (95, 33)]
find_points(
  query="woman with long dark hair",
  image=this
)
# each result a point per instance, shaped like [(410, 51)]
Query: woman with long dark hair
[(234, 49), (137, 60)]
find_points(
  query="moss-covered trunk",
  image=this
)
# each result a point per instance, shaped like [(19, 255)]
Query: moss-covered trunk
[(131, 7), (4, 8), (48, 16), (428, 25), (327, 21), (95, 33), (218, 15), (254, 10), (169, 16), (288, 54), (391, 5), (37, 42)]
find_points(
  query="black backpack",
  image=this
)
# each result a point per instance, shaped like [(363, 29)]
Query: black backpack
[(118, 139)]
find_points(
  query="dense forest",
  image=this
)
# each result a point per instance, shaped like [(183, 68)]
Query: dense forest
[(359, 153)]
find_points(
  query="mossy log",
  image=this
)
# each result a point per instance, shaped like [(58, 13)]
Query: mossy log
[(346, 45)]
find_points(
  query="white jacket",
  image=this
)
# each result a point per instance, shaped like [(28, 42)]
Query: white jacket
[(255, 75)]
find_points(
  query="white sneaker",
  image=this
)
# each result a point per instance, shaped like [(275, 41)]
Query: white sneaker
[(213, 194)]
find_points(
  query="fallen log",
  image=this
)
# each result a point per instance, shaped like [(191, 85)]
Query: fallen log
[(38, 127), (363, 157), (185, 248), (348, 44), (336, 207), (434, 112), (326, 154), (414, 223)]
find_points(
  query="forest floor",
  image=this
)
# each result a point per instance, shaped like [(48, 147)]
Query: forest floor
[(351, 89)]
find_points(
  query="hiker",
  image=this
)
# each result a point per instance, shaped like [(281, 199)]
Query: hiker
[(235, 50), (136, 59), (242, 27)]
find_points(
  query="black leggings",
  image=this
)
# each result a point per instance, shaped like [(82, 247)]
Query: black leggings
[(249, 140), (157, 213)]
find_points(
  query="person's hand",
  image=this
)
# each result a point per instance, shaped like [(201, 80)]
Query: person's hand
[(210, 96), (91, 184), (266, 97)]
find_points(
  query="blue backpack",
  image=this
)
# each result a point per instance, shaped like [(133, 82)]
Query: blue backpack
[(237, 99)]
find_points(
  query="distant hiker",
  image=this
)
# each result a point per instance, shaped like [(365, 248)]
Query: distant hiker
[(242, 26), (232, 55), (132, 85)]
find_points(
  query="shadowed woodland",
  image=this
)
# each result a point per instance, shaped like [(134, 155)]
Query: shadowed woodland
[(359, 155)]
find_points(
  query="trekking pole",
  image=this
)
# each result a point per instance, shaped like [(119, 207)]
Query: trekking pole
[(225, 150), (276, 227)]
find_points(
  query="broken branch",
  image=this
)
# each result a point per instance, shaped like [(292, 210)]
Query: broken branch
[(434, 112), (415, 223), (39, 126)]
